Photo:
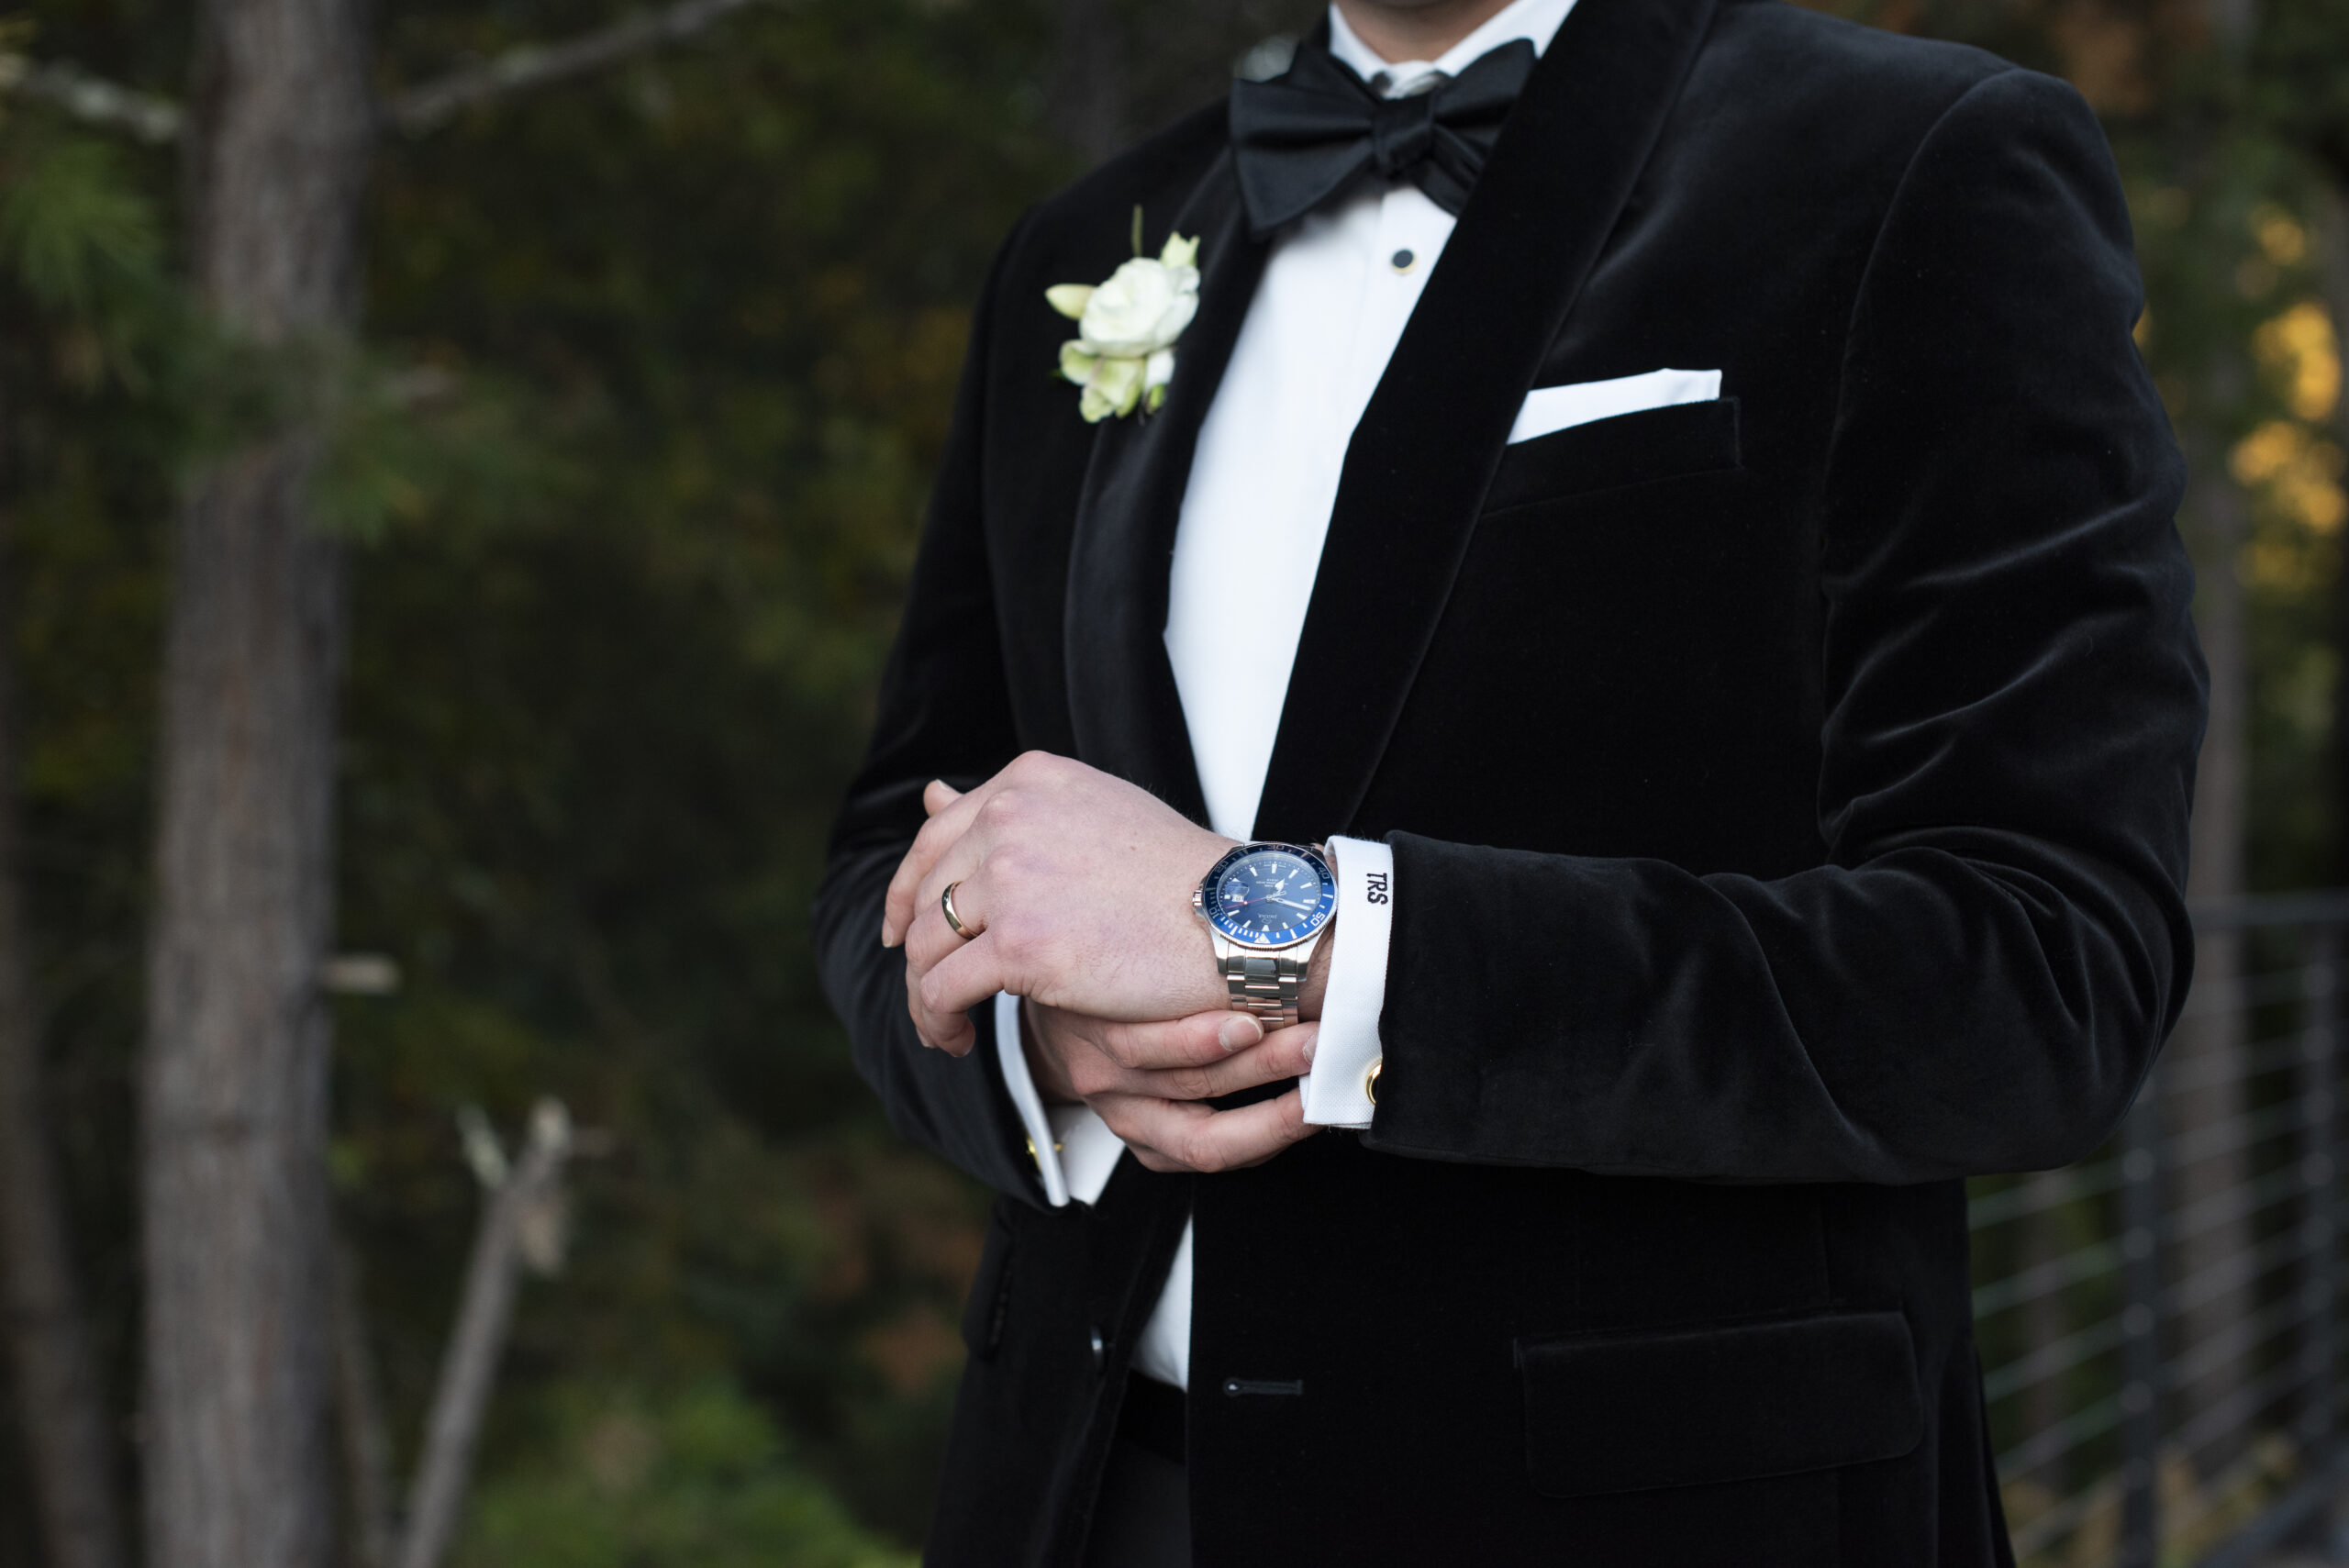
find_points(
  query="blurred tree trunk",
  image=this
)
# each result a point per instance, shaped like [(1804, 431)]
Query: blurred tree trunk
[(64, 1410), (1091, 77), (521, 1225), (2206, 1054), (237, 1237), (2331, 235)]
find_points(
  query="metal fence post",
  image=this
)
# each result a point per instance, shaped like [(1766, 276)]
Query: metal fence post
[(2141, 1344), (2319, 1165)]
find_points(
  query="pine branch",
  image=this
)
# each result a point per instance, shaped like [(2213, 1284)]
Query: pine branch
[(412, 113), (92, 98), (425, 108)]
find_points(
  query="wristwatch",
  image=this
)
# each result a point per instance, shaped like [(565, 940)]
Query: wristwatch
[(1266, 905)]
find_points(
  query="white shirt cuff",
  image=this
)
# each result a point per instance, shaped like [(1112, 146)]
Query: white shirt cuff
[(1012, 1058), (1336, 1091), (1074, 1149)]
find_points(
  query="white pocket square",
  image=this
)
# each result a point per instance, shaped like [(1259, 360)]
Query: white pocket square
[(1549, 409)]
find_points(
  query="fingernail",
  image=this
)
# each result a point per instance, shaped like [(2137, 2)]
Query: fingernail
[(1239, 1032), (1306, 1050)]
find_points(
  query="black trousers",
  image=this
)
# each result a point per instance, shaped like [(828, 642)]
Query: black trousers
[(1143, 1517)]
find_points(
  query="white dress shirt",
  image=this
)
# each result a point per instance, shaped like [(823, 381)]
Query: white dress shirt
[(1337, 290)]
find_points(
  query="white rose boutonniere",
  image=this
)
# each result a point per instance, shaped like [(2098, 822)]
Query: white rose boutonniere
[(1123, 355)]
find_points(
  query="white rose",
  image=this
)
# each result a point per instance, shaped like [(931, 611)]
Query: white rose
[(1125, 357), (1143, 308)]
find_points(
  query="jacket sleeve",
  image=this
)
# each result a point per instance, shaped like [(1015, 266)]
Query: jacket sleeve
[(1979, 976), (944, 711)]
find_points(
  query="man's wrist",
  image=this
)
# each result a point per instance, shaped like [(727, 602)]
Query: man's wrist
[(1316, 985), (1043, 1068)]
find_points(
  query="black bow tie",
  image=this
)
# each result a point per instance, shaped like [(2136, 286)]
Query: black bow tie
[(1305, 137)]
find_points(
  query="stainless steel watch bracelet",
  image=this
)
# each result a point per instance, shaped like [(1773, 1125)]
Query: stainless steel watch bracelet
[(1265, 985)]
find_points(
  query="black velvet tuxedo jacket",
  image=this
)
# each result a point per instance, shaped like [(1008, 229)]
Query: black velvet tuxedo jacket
[(1789, 798)]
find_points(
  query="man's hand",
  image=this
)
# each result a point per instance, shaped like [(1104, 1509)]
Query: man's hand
[(1078, 887), (1145, 1081)]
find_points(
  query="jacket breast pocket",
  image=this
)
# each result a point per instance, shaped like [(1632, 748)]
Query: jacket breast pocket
[(1780, 1397), (1608, 454)]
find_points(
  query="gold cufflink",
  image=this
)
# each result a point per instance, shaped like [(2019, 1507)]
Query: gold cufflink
[(1370, 1081)]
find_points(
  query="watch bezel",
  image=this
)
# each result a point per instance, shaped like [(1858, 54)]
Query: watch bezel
[(1204, 900)]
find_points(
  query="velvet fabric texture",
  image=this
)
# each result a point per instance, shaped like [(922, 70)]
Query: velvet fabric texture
[(1788, 797)]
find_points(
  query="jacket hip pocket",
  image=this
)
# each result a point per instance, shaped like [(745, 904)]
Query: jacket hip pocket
[(1779, 1396)]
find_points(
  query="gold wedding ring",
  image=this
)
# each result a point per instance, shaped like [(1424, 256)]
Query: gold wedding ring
[(954, 921)]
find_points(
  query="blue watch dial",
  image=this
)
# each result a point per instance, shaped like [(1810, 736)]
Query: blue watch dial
[(1269, 895)]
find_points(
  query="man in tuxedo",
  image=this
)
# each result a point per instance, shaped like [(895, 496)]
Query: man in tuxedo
[(1477, 836)]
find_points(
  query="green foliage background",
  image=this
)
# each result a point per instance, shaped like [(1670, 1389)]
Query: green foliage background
[(632, 457), (655, 367)]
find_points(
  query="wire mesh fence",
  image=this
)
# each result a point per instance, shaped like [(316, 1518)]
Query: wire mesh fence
[(2159, 1325)]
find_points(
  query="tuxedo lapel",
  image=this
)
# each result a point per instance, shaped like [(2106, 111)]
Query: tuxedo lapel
[(1126, 711), (1433, 432)]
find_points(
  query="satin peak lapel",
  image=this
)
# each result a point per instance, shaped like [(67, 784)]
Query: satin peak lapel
[(1126, 711), (1432, 434)]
